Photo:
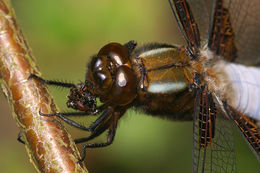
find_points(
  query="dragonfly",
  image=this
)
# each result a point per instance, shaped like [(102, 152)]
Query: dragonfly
[(213, 81)]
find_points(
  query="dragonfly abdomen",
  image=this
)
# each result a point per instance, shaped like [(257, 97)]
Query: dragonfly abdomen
[(245, 83)]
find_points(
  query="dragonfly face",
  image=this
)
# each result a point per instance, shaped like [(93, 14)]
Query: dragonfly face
[(196, 82)]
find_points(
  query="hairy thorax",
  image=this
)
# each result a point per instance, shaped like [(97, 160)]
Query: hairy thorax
[(236, 84)]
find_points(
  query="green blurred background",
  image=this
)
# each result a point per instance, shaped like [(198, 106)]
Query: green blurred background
[(63, 34)]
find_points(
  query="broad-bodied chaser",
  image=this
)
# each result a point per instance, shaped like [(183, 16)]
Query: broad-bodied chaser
[(212, 81)]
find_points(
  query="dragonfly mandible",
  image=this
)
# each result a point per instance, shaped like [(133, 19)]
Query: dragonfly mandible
[(200, 81)]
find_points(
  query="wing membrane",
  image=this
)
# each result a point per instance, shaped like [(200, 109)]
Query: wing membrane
[(248, 127), (213, 149), (186, 24), (246, 24), (202, 12), (235, 32), (221, 36)]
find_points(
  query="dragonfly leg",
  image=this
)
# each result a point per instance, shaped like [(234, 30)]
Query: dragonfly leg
[(51, 82)]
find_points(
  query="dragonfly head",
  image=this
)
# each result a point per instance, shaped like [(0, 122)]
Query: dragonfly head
[(111, 75), (82, 99)]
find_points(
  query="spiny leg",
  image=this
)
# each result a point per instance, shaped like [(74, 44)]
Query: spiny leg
[(96, 132), (70, 122), (111, 133), (62, 114), (73, 123), (110, 138), (50, 82), (103, 117), (99, 126)]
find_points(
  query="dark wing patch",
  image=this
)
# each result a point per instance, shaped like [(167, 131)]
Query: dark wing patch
[(213, 149), (202, 12), (248, 127), (186, 24), (221, 37)]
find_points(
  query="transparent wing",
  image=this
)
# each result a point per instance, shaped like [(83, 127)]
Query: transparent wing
[(202, 12), (221, 35), (245, 21), (213, 149), (245, 24), (235, 32), (187, 24), (248, 127)]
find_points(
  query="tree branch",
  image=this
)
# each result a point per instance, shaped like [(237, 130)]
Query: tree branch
[(50, 147)]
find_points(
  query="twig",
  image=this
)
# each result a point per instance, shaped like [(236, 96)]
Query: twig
[(50, 147)]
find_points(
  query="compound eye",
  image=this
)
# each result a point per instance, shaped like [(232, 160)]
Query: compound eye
[(116, 52), (103, 79), (124, 88), (98, 63)]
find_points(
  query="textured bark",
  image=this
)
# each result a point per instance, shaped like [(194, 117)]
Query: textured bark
[(50, 147)]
